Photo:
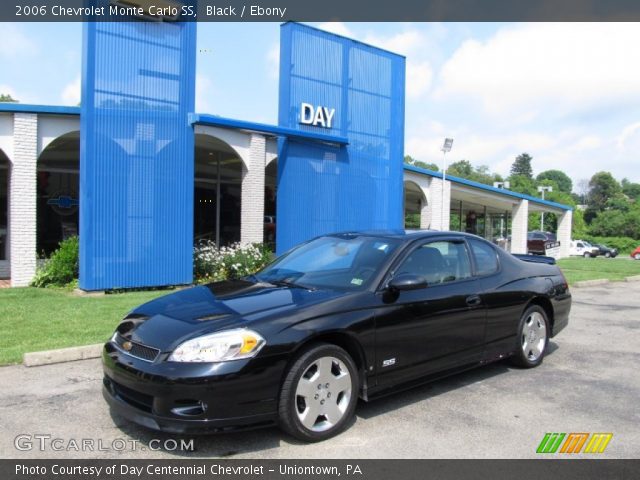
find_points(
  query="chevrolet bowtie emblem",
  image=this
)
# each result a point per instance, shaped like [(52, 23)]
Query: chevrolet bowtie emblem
[(127, 346)]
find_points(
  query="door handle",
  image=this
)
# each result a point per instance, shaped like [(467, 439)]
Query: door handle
[(473, 300)]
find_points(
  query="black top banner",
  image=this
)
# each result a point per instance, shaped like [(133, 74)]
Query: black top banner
[(321, 10)]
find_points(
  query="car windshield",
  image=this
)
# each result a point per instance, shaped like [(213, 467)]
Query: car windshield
[(344, 262)]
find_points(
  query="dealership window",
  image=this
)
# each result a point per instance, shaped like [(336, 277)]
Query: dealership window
[(57, 187), (4, 206), (270, 199), (438, 262), (217, 191)]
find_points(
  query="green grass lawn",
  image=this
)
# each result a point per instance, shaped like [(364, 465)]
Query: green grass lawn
[(36, 319), (576, 269)]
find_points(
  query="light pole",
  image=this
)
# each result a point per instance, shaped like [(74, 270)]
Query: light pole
[(542, 189), (446, 147)]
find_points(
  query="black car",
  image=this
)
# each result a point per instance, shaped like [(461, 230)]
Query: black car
[(606, 251), (341, 317)]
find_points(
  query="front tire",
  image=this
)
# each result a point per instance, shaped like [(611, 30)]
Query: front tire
[(637, 256), (533, 338), (319, 394), (586, 255), (607, 254)]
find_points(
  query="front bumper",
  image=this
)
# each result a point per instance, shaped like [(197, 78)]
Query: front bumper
[(192, 398)]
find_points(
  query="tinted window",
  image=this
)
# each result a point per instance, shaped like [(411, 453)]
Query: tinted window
[(485, 256), (438, 262)]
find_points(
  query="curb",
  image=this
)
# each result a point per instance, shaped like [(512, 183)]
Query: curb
[(634, 278), (48, 357), (591, 283)]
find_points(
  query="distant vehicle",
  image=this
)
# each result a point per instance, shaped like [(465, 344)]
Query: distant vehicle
[(542, 243), (636, 253), (583, 248), (605, 251)]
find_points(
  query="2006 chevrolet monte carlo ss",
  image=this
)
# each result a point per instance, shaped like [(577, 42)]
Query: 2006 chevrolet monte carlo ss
[(341, 317)]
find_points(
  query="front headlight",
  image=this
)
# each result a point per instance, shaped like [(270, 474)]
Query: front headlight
[(219, 347)]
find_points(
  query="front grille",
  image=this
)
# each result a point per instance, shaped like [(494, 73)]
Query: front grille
[(137, 350), (132, 397)]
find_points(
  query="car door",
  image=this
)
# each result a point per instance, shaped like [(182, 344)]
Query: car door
[(419, 332)]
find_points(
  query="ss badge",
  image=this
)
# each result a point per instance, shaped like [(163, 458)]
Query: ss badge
[(388, 362)]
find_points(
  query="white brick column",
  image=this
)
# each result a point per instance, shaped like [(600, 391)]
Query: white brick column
[(564, 232), (22, 199), (425, 214), (519, 227), (435, 205), (252, 211)]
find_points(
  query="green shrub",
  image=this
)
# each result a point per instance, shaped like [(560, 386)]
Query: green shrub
[(61, 268), (412, 221), (624, 245)]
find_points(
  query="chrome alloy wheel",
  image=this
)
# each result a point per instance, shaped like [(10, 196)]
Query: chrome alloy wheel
[(534, 336), (323, 394)]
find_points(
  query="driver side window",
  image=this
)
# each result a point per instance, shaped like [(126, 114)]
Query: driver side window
[(438, 262)]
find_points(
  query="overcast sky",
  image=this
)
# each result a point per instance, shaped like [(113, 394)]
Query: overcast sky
[(566, 93)]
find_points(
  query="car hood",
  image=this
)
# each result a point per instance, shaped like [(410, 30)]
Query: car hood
[(167, 321)]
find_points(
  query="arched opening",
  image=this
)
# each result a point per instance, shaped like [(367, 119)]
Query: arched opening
[(217, 191), (414, 201), (270, 202), (58, 188), (4, 208)]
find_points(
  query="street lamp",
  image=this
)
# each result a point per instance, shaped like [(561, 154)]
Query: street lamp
[(446, 147), (542, 189)]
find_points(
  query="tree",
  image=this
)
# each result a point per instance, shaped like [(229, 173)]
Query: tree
[(602, 188), (522, 166), (481, 174), (523, 184), (562, 180), (630, 189), (5, 97), (409, 160)]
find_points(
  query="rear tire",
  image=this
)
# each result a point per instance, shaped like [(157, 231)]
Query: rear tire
[(532, 339), (319, 394), (637, 256)]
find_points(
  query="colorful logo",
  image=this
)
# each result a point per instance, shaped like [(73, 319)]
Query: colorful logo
[(573, 442)]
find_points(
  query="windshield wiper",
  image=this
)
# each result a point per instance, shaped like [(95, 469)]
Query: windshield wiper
[(289, 283)]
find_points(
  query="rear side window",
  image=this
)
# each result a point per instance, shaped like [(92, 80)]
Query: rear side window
[(438, 262), (485, 256)]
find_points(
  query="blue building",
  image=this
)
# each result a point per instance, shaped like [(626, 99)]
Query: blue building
[(140, 176)]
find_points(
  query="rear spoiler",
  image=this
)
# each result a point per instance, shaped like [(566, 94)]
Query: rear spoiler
[(535, 258)]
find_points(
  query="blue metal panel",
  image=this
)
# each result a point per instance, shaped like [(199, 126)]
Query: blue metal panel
[(328, 188), (136, 154), (45, 109)]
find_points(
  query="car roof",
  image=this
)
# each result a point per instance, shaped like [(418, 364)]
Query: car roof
[(405, 234)]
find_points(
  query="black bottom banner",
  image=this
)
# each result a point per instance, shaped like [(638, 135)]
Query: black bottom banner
[(582, 469)]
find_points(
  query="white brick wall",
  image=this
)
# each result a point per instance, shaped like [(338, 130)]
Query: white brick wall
[(435, 197), (519, 227), (22, 192), (564, 232), (252, 213)]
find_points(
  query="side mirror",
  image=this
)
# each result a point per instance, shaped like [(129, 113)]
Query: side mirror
[(407, 281)]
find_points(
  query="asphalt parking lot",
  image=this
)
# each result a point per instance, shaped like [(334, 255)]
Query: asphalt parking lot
[(589, 382)]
